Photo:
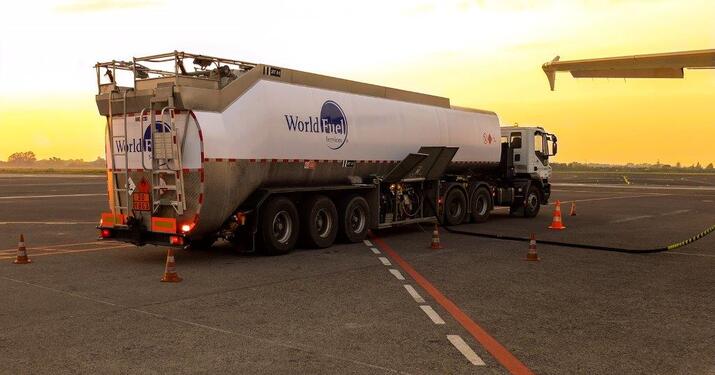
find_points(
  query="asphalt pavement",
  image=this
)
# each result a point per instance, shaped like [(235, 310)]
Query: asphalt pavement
[(391, 305)]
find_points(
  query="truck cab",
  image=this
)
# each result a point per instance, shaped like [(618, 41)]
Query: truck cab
[(530, 149), (526, 171)]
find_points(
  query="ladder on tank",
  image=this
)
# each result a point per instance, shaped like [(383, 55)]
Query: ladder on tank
[(120, 193), (166, 166)]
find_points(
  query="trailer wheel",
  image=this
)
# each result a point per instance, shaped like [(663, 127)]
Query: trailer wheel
[(354, 216), (320, 222), (533, 202), (455, 207), (481, 205), (278, 226)]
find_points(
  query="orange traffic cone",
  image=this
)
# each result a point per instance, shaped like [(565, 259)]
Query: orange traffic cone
[(22, 252), (532, 255), (557, 223), (573, 209), (170, 275), (435, 245)]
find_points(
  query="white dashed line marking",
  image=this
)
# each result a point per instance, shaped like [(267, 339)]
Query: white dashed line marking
[(53, 196), (367, 243), (47, 222), (385, 261), (375, 250), (678, 212), (633, 218), (417, 297), (397, 274), (436, 319), (462, 346)]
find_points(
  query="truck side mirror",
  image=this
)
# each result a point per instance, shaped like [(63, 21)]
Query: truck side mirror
[(554, 144)]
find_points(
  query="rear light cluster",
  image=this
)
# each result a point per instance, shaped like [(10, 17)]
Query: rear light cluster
[(186, 228), (240, 218), (176, 240), (105, 233)]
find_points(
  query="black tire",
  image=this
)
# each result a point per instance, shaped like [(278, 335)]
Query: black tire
[(320, 222), (279, 226), (481, 205), (455, 207), (354, 219), (533, 202)]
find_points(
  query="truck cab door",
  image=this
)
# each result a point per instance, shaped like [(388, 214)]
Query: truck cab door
[(520, 157), (539, 164)]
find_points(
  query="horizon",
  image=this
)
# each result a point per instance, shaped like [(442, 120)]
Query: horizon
[(480, 54)]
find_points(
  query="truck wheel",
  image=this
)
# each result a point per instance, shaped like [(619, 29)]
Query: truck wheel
[(455, 207), (481, 205), (354, 216), (320, 222), (278, 227), (533, 202)]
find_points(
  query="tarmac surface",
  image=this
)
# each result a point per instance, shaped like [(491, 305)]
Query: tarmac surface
[(387, 306)]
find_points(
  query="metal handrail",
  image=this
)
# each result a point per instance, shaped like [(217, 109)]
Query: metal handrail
[(177, 56), (141, 133)]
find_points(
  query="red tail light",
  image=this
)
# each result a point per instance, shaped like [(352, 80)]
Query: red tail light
[(241, 218), (105, 233), (176, 240)]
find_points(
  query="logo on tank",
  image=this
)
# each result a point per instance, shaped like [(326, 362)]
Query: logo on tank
[(136, 144), (331, 125)]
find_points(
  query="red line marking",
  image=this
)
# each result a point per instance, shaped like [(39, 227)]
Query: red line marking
[(497, 350)]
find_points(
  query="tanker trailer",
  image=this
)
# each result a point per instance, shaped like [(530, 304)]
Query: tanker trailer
[(276, 158)]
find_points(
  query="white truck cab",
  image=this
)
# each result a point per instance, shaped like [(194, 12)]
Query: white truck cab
[(531, 148)]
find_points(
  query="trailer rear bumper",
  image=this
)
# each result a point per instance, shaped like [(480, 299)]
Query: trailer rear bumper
[(141, 237)]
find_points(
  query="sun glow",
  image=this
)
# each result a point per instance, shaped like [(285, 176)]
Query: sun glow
[(483, 54)]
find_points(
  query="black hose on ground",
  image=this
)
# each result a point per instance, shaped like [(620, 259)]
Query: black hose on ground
[(577, 245), (586, 246)]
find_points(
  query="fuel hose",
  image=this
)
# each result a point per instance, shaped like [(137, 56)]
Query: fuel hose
[(578, 245), (587, 246)]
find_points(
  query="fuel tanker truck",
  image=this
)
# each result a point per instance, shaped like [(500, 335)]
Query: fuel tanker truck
[(200, 148)]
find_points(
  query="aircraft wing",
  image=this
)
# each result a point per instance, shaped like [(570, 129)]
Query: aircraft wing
[(660, 65)]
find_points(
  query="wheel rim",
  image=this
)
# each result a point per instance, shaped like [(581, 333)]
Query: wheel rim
[(533, 201), (357, 219), (282, 227), (455, 208), (481, 205), (323, 223)]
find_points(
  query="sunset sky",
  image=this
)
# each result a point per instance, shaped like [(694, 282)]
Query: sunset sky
[(483, 54)]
